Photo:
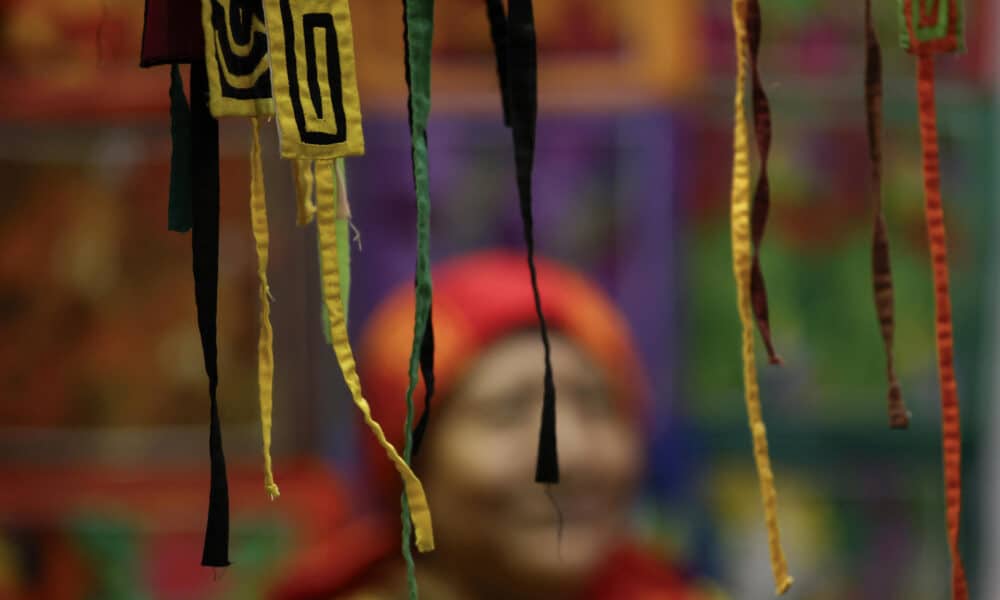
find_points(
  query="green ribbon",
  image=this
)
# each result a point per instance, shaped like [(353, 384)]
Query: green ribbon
[(418, 33)]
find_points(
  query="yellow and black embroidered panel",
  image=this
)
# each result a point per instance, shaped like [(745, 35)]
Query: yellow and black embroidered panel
[(315, 86), (236, 56)]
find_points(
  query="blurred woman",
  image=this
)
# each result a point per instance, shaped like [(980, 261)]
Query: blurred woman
[(499, 534)]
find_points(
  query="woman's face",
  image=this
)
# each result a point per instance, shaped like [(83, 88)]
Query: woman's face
[(491, 519)]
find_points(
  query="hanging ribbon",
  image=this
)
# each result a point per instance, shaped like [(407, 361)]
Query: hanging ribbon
[(343, 248), (762, 194), (205, 254), (179, 204), (517, 68), (939, 30), (899, 416), (265, 350), (305, 206), (951, 422), (343, 234), (498, 33), (741, 241), (418, 33), (326, 216)]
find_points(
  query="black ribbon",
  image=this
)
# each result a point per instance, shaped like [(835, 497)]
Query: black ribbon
[(179, 205), (517, 68), (427, 372), (205, 259)]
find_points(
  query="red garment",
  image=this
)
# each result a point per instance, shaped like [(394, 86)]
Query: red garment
[(344, 563), (634, 574)]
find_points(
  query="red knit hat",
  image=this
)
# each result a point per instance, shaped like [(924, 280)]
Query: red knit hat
[(479, 299)]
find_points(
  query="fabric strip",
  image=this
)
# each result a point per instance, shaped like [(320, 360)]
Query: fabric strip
[(418, 33), (498, 33), (522, 75), (179, 204), (741, 268), (427, 372), (265, 350), (950, 424), (305, 206), (343, 235), (326, 217), (205, 259), (762, 194), (899, 416)]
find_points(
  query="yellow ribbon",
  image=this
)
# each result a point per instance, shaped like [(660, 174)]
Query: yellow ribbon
[(302, 172), (265, 351), (740, 223), (326, 219)]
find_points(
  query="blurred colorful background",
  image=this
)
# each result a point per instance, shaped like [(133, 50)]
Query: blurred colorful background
[(103, 433)]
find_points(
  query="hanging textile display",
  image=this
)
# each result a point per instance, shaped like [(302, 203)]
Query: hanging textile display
[(516, 51), (899, 416), (255, 59), (319, 119), (929, 27), (741, 241)]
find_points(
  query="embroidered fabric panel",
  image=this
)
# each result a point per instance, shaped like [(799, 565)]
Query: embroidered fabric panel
[(236, 57), (315, 85)]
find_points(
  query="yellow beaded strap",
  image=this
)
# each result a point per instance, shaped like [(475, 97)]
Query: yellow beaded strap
[(740, 222), (265, 350), (326, 224)]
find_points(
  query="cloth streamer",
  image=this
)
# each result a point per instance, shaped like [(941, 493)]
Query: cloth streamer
[(899, 416), (205, 254), (741, 240), (265, 349), (937, 27), (762, 194), (515, 46), (418, 34), (179, 203)]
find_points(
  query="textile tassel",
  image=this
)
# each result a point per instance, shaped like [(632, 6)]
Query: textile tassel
[(179, 206), (951, 423), (265, 350), (741, 268), (326, 221), (418, 33), (205, 259), (899, 416), (762, 194), (522, 77)]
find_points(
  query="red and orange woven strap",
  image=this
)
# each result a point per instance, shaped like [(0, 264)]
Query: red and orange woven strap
[(938, 28), (950, 424)]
